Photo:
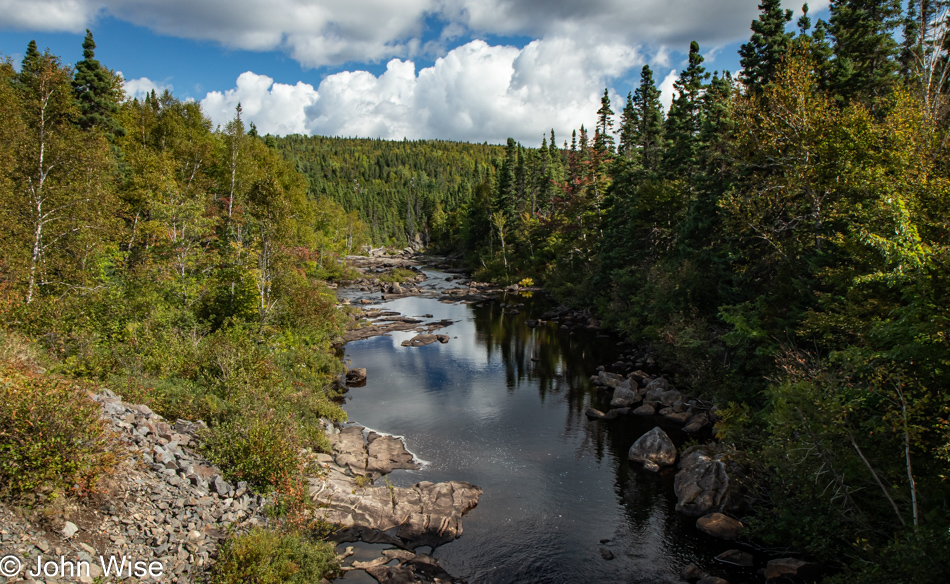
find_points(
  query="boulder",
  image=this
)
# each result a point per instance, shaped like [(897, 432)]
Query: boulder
[(356, 376), (712, 580), (656, 394), (644, 410), (702, 483), (425, 514), (655, 447), (610, 379), (789, 568), (624, 397), (719, 525), (594, 414), (736, 558), (696, 423), (674, 416)]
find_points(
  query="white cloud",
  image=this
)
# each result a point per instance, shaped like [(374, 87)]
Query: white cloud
[(332, 32), (50, 15), (477, 92), (666, 89), (141, 87), (275, 108)]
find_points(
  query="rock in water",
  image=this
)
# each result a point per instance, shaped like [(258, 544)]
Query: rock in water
[(719, 525), (702, 484), (624, 397), (655, 447), (356, 376), (594, 414)]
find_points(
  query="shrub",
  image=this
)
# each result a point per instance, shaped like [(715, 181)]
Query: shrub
[(397, 275), (51, 435), (263, 556), (257, 447)]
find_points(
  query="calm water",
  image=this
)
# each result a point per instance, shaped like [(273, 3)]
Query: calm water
[(502, 406)]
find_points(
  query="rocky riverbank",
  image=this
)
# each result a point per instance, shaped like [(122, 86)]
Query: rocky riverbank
[(165, 504)]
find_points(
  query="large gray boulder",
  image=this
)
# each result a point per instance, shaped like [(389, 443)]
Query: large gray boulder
[(624, 396), (654, 449), (702, 483), (610, 379)]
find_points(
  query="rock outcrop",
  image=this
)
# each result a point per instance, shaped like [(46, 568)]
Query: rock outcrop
[(372, 455)]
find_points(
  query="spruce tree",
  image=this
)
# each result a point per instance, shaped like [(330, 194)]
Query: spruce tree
[(763, 54), (604, 144), (506, 193), (628, 125), (648, 134), (685, 118), (96, 92), (864, 65)]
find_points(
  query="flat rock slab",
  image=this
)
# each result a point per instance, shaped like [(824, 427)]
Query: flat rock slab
[(423, 340), (425, 514), (373, 455)]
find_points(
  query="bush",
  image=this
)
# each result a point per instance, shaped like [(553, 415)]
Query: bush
[(51, 435), (259, 448), (397, 275), (264, 556)]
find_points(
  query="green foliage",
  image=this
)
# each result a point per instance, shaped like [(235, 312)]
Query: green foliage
[(393, 187), (263, 556), (98, 92), (52, 438), (260, 449), (397, 275)]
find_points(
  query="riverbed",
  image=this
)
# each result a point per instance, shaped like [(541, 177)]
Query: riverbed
[(501, 405)]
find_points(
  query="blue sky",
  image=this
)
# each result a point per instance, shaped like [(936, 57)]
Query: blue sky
[(474, 70)]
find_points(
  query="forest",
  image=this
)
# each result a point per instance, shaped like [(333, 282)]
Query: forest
[(779, 237)]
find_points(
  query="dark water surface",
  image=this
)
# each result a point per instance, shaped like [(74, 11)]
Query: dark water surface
[(480, 409)]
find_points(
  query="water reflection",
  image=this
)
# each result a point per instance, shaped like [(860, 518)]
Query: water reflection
[(502, 406)]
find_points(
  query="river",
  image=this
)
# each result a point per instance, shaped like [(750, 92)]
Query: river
[(501, 405)]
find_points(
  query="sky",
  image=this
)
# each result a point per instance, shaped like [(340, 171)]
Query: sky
[(467, 70)]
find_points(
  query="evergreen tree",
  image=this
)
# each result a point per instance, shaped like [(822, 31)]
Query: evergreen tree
[(763, 54), (628, 128), (648, 134), (685, 118), (604, 144), (97, 93), (864, 65), (506, 193)]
